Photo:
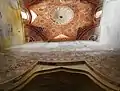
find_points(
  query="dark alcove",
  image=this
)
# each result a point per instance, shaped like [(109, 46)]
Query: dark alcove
[(61, 81)]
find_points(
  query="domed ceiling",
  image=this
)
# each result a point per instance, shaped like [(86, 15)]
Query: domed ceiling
[(61, 20)]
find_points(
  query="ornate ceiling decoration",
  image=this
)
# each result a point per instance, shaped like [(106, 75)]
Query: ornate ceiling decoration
[(61, 20)]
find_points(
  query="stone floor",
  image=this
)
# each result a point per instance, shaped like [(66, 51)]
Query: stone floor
[(11, 67), (20, 59)]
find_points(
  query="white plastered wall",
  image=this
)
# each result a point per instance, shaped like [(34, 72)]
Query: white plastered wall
[(11, 28), (110, 24)]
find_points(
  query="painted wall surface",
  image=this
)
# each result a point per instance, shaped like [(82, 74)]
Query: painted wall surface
[(110, 24), (11, 27)]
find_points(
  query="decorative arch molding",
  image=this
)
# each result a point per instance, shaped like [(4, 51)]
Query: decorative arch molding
[(84, 70), (78, 68)]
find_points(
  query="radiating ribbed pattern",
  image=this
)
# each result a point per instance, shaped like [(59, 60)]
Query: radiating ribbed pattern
[(73, 18)]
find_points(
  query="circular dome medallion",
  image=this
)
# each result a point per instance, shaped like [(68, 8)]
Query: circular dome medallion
[(63, 15)]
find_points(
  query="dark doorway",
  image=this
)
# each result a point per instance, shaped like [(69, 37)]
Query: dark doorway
[(61, 81)]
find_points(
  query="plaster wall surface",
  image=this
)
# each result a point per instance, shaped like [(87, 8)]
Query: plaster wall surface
[(11, 28), (110, 24)]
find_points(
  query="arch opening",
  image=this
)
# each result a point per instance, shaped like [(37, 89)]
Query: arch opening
[(58, 81)]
